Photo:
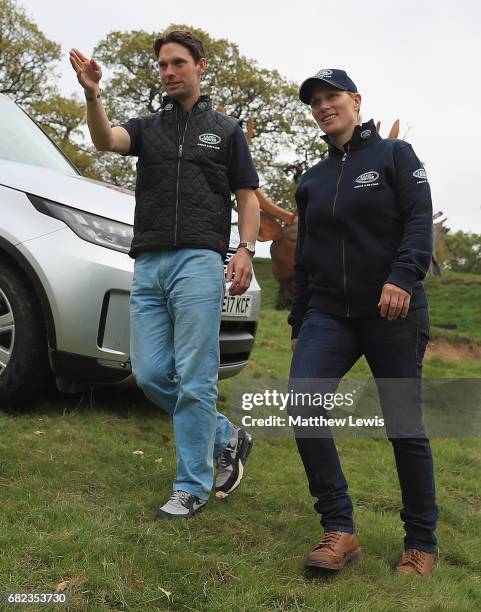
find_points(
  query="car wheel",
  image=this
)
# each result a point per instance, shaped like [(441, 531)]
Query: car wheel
[(24, 368)]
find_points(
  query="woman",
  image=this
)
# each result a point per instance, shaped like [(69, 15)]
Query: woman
[(364, 247)]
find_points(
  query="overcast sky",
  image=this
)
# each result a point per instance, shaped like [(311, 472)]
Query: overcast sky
[(416, 60)]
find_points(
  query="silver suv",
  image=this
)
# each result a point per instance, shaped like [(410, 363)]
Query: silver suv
[(65, 275)]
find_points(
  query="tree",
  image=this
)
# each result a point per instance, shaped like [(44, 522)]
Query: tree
[(306, 150), (462, 252), (285, 139), (63, 119), (26, 57), (27, 75)]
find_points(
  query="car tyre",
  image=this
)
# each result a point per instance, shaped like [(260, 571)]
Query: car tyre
[(24, 366)]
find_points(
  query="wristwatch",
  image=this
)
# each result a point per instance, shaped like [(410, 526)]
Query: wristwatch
[(250, 246)]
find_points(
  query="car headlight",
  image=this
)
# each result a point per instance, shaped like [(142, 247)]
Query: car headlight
[(93, 228)]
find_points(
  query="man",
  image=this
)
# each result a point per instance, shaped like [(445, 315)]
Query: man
[(190, 159)]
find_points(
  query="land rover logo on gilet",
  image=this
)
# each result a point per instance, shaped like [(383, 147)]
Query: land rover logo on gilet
[(368, 177), (365, 134), (211, 139), (324, 73), (420, 173), (169, 106)]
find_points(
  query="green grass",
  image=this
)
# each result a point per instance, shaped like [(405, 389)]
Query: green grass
[(456, 299), (77, 505)]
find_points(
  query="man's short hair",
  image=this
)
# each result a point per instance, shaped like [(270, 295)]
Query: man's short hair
[(184, 38)]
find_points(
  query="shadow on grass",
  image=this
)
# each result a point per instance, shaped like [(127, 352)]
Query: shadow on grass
[(318, 574), (121, 401)]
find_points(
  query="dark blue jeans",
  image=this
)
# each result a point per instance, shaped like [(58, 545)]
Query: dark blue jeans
[(327, 348)]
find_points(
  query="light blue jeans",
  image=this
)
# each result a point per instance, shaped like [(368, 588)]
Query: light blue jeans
[(175, 312)]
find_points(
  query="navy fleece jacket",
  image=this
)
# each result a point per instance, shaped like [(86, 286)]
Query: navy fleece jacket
[(365, 219)]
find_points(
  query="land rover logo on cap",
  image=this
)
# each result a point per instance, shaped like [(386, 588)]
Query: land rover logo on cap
[(365, 134), (168, 106), (420, 173), (211, 139), (368, 177), (324, 73)]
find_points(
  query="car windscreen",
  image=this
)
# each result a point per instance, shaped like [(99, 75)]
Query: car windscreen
[(21, 140)]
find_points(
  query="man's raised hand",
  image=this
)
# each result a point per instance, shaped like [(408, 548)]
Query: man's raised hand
[(88, 70)]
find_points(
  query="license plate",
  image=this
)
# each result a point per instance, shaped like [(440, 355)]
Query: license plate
[(237, 305)]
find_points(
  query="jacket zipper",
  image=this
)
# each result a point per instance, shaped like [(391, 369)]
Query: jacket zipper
[(179, 158), (344, 272), (344, 157)]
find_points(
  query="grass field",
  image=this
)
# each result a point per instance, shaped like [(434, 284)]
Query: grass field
[(77, 503)]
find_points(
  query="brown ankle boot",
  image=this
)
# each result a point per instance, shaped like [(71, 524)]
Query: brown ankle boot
[(335, 549), (415, 561)]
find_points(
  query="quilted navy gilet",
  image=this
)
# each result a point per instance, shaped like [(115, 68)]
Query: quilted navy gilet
[(183, 197)]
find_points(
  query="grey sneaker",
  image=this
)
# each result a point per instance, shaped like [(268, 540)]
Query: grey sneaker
[(230, 464), (180, 505)]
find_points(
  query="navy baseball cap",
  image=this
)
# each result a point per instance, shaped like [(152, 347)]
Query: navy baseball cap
[(333, 76)]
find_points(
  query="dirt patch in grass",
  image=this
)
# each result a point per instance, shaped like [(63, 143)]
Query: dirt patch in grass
[(450, 350)]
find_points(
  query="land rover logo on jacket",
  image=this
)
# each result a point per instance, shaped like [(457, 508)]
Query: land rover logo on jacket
[(367, 177), (210, 139), (420, 173)]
